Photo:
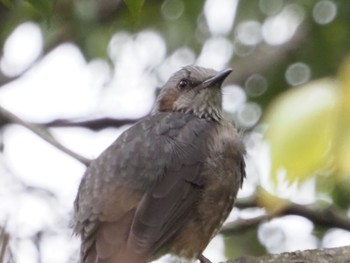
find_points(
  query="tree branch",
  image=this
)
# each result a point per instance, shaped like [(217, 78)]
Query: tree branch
[(4, 241), (94, 124), (327, 218), (330, 217), (242, 225), (42, 133), (327, 255)]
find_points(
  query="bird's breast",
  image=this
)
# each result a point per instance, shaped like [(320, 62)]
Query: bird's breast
[(222, 178)]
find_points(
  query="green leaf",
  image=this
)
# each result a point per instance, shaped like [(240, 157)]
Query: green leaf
[(302, 125), (343, 136), (135, 7), (7, 3), (44, 7)]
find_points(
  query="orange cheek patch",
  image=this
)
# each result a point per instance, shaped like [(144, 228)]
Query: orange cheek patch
[(167, 102)]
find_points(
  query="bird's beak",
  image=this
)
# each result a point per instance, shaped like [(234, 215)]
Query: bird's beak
[(218, 79)]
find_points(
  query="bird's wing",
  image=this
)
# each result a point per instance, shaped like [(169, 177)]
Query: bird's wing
[(163, 211), (142, 187), (166, 207)]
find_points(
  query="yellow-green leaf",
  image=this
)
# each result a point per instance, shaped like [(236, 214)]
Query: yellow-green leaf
[(272, 203), (343, 136), (301, 129)]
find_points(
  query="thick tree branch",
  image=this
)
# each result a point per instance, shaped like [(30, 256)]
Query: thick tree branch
[(42, 133), (327, 255)]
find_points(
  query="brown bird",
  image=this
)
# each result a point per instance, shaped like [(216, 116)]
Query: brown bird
[(167, 184)]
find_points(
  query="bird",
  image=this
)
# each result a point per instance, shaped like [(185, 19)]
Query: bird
[(167, 184)]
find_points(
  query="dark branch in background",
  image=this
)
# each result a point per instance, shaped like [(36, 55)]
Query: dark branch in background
[(327, 218), (42, 133), (242, 225), (248, 202), (94, 124), (4, 240), (330, 217)]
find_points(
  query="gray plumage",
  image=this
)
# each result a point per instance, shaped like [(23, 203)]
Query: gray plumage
[(167, 183)]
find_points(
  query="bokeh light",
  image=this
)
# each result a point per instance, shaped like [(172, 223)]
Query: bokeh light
[(227, 11), (249, 32), (255, 85), (249, 114), (216, 53), (21, 48), (298, 73), (280, 28), (172, 9), (233, 98), (270, 7), (324, 12)]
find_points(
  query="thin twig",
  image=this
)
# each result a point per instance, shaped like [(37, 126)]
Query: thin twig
[(4, 241), (242, 225), (42, 133)]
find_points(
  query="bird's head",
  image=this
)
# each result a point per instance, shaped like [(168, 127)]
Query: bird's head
[(195, 90)]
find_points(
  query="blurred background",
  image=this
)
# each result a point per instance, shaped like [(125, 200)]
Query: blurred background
[(80, 72)]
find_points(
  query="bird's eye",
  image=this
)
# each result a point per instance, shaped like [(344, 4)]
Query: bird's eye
[(183, 84)]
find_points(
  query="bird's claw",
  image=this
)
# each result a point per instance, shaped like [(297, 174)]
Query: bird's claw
[(203, 259)]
